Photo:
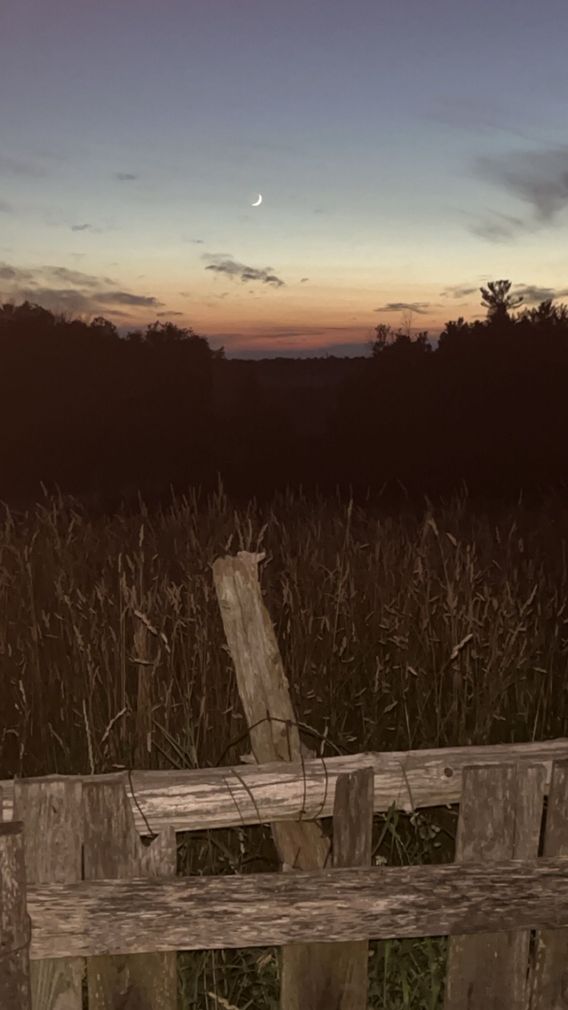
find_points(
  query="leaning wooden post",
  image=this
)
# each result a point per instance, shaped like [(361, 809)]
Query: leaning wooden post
[(274, 736), (14, 923)]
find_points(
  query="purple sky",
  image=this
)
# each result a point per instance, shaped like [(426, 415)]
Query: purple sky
[(406, 154)]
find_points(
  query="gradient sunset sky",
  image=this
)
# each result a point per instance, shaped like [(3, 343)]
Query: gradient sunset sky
[(406, 153)]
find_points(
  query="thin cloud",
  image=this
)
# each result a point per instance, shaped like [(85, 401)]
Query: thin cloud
[(540, 178), (58, 288), (21, 167), (458, 291), (304, 279), (535, 294), (275, 333), (230, 267), (125, 298), (501, 228), (57, 219), (57, 299), (422, 308), (76, 277), (17, 274), (8, 274)]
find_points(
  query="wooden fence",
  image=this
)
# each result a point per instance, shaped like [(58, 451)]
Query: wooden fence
[(84, 897)]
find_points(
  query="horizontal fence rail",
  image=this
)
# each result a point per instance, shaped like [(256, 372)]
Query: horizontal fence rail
[(284, 791), (173, 913)]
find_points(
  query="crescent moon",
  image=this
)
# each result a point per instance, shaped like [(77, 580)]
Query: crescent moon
[(257, 202)]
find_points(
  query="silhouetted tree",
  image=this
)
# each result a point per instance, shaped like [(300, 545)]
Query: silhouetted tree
[(34, 316), (498, 301), (384, 334), (103, 327), (423, 343), (399, 342), (457, 335), (158, 333), (546, 314), (135, 337)]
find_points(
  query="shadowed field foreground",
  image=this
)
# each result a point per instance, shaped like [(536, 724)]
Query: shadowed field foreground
[(427, 629)]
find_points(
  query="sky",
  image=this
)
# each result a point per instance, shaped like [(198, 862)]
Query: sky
[(406, 153)]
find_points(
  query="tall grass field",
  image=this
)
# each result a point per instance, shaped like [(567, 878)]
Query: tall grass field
[(441, 625)]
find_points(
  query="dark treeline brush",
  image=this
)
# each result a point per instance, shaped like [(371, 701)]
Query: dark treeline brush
[(91, 412)]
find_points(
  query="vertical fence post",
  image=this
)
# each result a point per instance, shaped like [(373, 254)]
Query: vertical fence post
[(113, 849), (500, 818), (53, 821), (14, 922), (549, 976), (353, 846)]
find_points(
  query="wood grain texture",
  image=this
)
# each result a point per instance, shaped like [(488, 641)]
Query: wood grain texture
[(112, 849), (281, 791), (272, 909), (500, 817), (352, 846), (549, 982), (15, 990), (53, 832)]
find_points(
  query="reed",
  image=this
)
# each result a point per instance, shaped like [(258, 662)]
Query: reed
[(431, 627)]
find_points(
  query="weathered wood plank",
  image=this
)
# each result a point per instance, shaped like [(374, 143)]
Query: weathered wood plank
[(352, 846), (53, 832), (15, 990), (500, 817), (112, 849), (280, 791), (272, 909), (353, 820), (550, 978)]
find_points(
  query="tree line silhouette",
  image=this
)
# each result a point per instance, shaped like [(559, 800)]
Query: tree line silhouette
[(102, 416)]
